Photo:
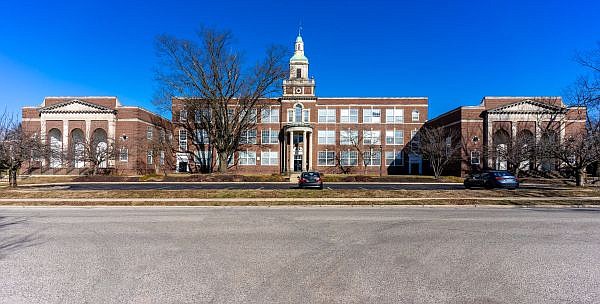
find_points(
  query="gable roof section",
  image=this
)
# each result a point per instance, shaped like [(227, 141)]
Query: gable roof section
[(528, 106), (76, 106)]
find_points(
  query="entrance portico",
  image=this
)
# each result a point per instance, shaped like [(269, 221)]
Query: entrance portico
[(297, 148)]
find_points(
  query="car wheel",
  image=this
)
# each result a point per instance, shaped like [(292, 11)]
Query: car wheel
[(321, 187)]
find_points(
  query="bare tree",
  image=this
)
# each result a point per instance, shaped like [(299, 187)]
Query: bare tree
[(96, 152), (440, 146), (353, 140), (17, 145), (221, 97)]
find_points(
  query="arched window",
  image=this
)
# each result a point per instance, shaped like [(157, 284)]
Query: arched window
[(298, 73), (100, 147), (500, 142), (78, 148), (298, 113), (56, 146)]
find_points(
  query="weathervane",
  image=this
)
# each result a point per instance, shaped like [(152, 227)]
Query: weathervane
[(300, 29)]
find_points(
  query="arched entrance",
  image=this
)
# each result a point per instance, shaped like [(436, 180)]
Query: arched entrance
[(500, 144), (56, 148), (99, 146), (78, 151), (525, 141)]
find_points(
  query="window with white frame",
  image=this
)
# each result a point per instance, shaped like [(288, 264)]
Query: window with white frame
[(306, 115), (394, 137), (268, 158), (371, 137), (326, 115), (123, 154), (270, 115), (230, 114), (149, 157), (149, 133), (371, 115), (349, 115), (161, 159), (182, 115), (349, 158), (448, 145), (474, 157), (326, 158), (415, 140), (202, 115), (182, 140), (326, 137), (372, 158), (394, 158), (201, 136), (298, 114), (349, 137), (415, 115), (248, 137), (269, 137), (204, 158), (247, 158), (394, 115)]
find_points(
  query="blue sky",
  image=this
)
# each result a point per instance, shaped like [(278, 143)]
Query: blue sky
[(454, 52)]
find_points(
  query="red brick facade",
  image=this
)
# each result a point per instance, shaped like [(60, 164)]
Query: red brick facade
[(67, 122), (479, 126)]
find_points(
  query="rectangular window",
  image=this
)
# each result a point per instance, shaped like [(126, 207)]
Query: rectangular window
[(202, 115), (474, 157), (149, 133), (326, 158), (248, 137), (349, 115), (415, 115), (290, 116), (394, 137), (326, 115), (270, 115), (305, 115), (349, 158), (182, 140), (201, 136), (123, 154), (182, 115), (269, 137), (161, 159), (372, 137), (149, 157), (247, 158), (415, 141), (394, 115), (372, 158), (371, 115), (349, 137), (268, 158), (394, 158), (203, 158), (326, 137)]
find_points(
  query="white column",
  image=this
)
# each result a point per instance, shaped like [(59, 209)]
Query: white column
[(490, 142), (304, 151), (43, 136), (88, 130), (513, 125), (65, 135), (310, 150), (291, 152), (112, 126), (283, 150)]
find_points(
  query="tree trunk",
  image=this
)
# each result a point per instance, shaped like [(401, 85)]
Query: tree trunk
[(579, 178), (223, 160), (12, 178)]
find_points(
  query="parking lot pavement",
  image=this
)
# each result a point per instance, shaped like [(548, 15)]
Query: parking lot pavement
[(299, 255)]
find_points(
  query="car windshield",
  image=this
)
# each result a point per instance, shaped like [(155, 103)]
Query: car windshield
[(310, 174)]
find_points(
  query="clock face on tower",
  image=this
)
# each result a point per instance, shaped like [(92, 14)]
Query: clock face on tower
[(298, 90)]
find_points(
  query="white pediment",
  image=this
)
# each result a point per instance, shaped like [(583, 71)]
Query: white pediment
[(75, 106), (526, 106)]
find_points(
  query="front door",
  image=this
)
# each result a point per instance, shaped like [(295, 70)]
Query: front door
[(298, 162)]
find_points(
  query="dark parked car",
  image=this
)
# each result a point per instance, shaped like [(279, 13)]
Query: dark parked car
[(492, 179), (310, 179)]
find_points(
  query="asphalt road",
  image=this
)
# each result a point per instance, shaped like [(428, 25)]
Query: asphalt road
[(299, 255), (265, 186)]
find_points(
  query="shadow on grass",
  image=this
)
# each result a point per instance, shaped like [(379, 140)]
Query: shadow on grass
[(10, 243)]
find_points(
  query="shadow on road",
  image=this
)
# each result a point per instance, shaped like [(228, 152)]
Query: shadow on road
[(586, 210), (10, 240)]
